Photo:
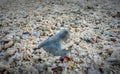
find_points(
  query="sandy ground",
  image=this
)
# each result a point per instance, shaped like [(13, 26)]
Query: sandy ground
[(94, 41)]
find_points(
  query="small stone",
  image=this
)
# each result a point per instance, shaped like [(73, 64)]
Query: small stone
[(25, 36), (36, 13), (17, 38), (58, 25), (35, 34)]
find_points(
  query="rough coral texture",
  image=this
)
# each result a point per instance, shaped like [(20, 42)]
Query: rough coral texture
[(94, 38)]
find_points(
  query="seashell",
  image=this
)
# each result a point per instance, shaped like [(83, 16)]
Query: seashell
[(70, 64), (35, 57), (23, 48), (76, 59), (36, 13), (82, 46), (17, 38), (9, 36), (65, 58), (57, 69), (18, 45), (28, 52), (9, 44), (74, 25), (10, 51), (30, 38), (41, 33)]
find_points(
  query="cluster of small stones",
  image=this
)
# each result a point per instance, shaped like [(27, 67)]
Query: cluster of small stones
[(94, 36)]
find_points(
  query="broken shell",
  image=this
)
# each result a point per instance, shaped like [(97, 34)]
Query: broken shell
[(70, 64), (9, 44), (74, 25), (35, 57), (65, 58), (76, 59), (17, 38), (10, 51), (57, 69), (1, 47), (18, 45)]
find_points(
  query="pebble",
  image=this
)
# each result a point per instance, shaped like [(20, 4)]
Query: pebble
[(25, 36), (58, 25), (35, 34)]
